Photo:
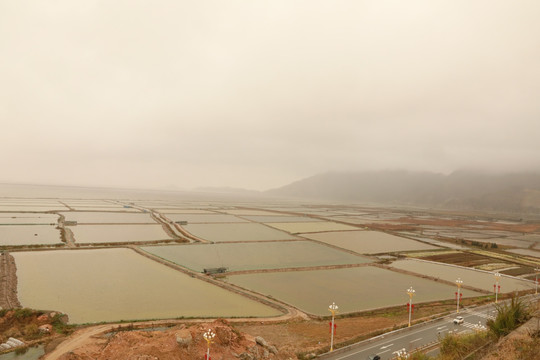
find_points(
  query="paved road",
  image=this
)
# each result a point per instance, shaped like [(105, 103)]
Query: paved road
[(416, 336)]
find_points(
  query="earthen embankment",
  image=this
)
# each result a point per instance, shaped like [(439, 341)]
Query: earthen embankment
[(8, 282)]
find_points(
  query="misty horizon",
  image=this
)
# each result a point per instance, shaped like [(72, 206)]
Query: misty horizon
[(256, 95)]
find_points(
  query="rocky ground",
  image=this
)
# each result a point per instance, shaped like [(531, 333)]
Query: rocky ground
[(179, 342), (30, 327), (239, 340)]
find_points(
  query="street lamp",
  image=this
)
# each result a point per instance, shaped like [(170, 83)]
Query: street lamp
[(497, 287), (536, 270), (459, 282), (411, 292), (208, 336), (333, 309)]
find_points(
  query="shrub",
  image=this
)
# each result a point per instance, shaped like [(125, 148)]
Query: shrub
[(456, 347), (420, 356), (509, 316), (31, 330), (60, 326), (23, 313)]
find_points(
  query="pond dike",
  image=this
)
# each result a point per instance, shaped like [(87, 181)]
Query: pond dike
[(8, 282), (168, 229)]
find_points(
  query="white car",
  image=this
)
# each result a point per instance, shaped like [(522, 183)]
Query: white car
[(458, 320)]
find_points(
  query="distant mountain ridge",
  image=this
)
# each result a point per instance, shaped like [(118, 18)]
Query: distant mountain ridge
[(516, 192)]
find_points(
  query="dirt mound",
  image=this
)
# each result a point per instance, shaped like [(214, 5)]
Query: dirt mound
[(28, 325), (180, 342)]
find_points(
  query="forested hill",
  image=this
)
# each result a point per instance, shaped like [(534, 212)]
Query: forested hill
[(516, 192)]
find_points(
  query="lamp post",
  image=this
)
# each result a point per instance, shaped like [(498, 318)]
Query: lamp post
[(536, 270), (208, 336), (497, 287), (411, 292), (459, 282), (333, 309)]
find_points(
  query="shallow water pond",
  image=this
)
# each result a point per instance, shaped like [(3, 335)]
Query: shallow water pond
[(205, 218), (279, 219), (256, 255), (28, 218), (92, 234), (526, 252), (311, 226), (35, 208), (29, 235), (369, 242), (108, 217), (248, 212), (470, 277), (352, 289), (236, 232), (119, 284), (105, 208), (183, 211)]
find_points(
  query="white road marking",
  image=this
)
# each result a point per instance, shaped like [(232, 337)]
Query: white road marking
[(415, 340), (427, 328), (386, 346), (485, 316), (442, 327)]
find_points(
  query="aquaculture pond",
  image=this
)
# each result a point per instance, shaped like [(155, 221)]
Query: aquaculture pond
[(183, 211), (94, 205), (470, 277), (254, 255), (101, 217), (17, 235), (105, 208), (278, 218), (525, 252), (119, 284), (33, 208), (352, 289), (249, 212), (28, 218), (205, 218), (311, 226), (369, 242), (236, 232), (93, 234)]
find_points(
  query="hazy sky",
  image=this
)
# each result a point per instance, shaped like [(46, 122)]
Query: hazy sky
[(258, 94)]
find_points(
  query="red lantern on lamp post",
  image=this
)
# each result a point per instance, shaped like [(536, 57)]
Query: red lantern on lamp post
[(459, 282), (496, 286)]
